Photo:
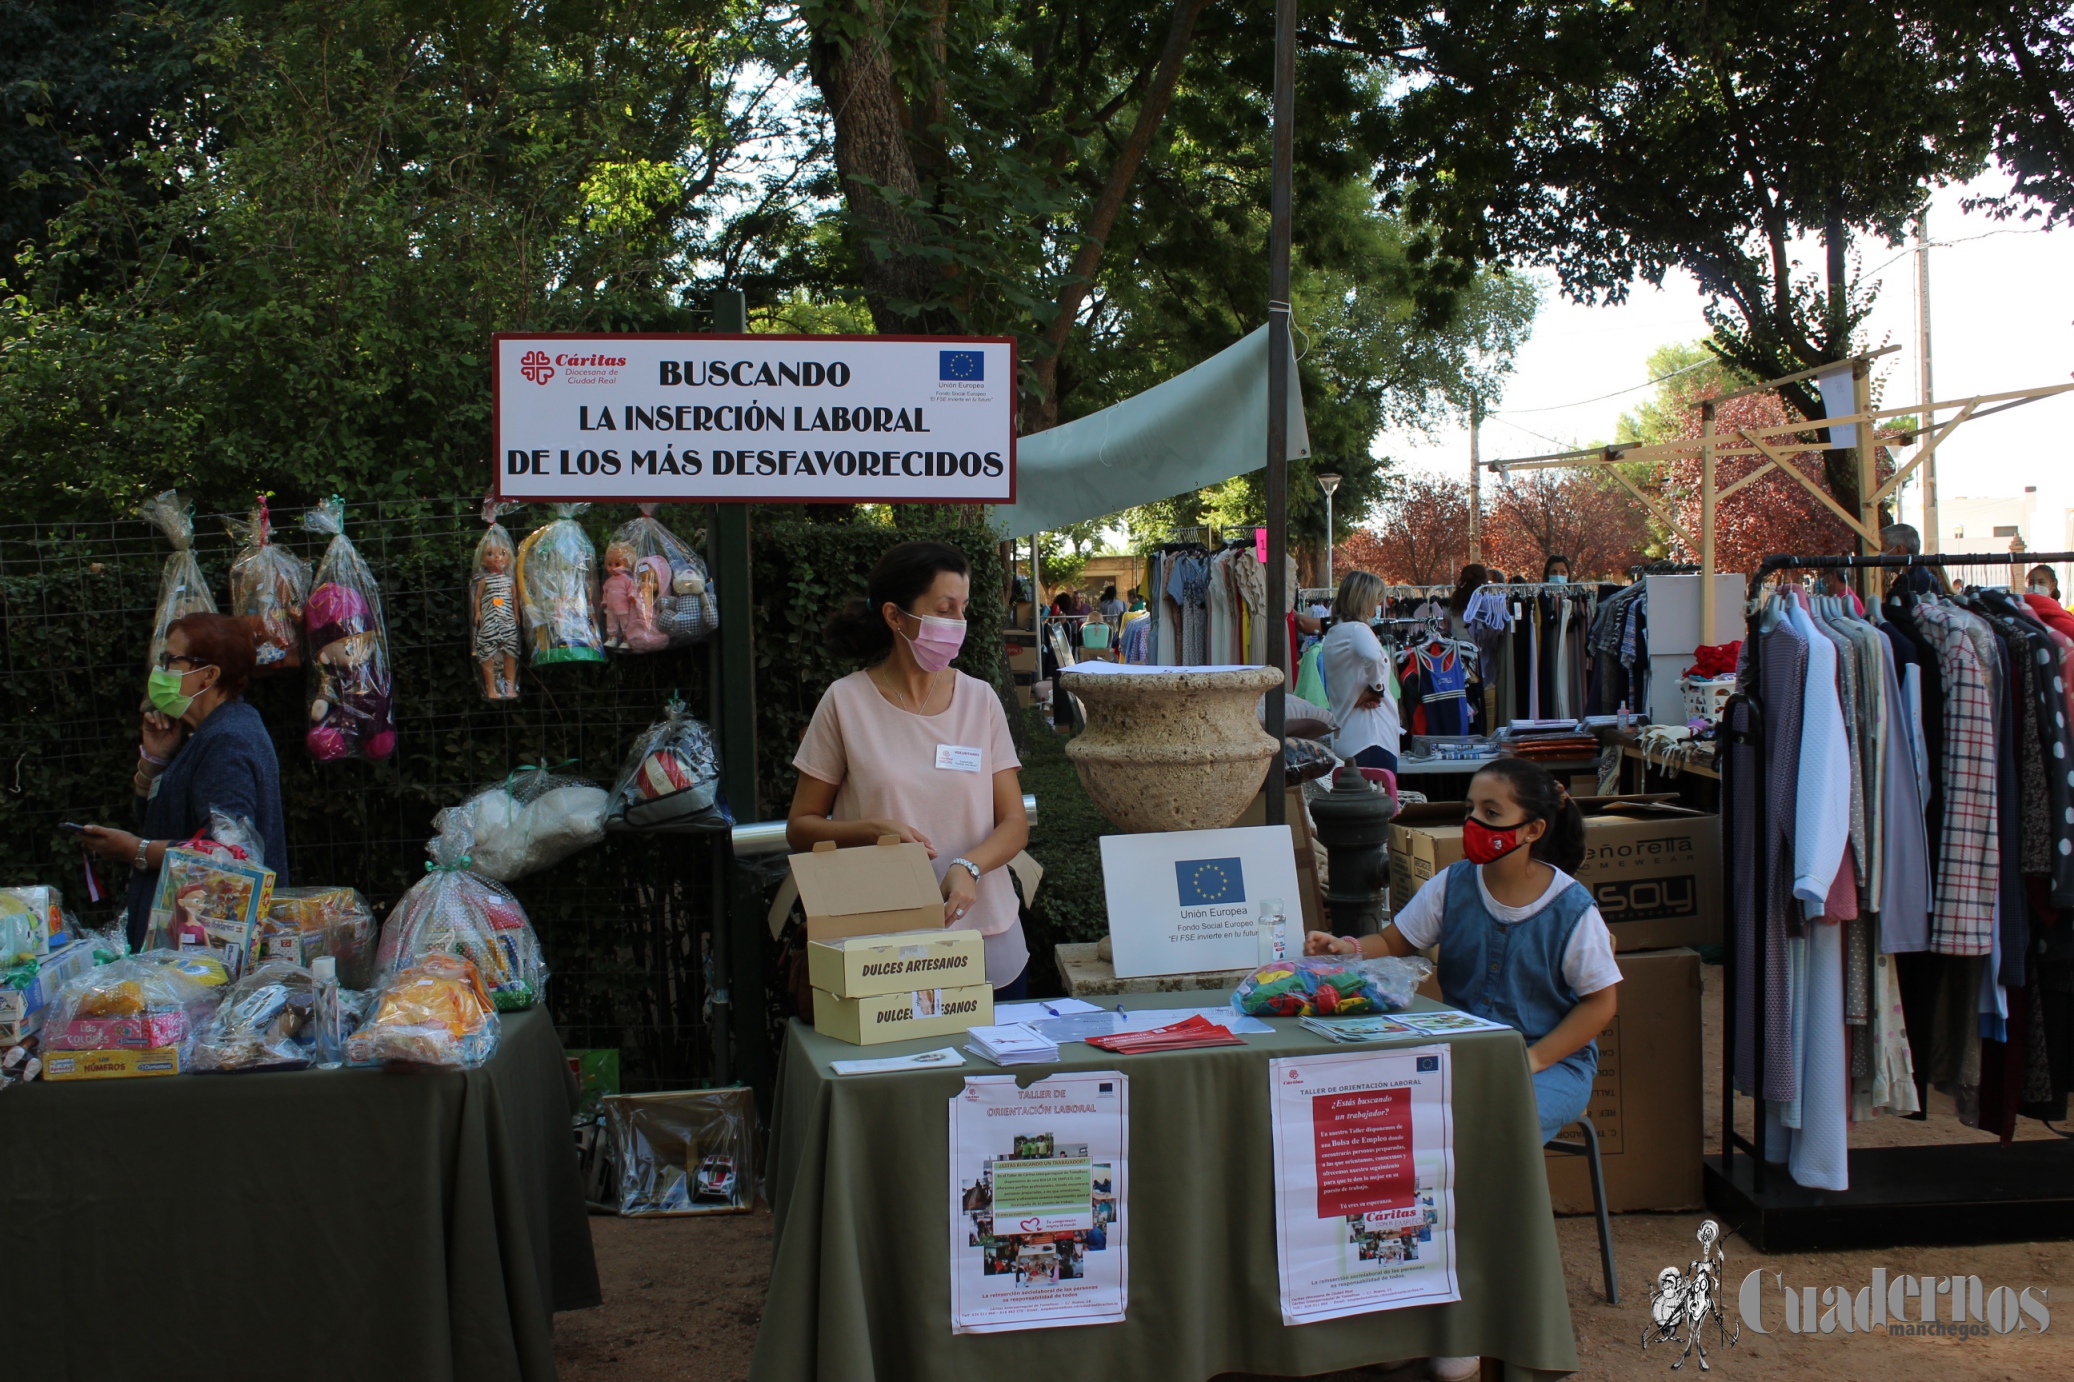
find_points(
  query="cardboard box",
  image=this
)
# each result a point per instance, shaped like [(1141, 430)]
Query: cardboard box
[(111, 1065), (1653, 868), (903, 1016), (862, 966), (1646, 1100), (36, 917), (868, 891), (52, 971)]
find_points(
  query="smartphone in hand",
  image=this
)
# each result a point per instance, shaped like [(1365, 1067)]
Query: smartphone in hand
[(71, 828)]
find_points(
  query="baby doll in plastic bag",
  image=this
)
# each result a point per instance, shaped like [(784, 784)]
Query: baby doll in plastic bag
[(619, 593), (669, 595), (268, 587), (558, 591), (493, 608), (182, 590), (351, 714)]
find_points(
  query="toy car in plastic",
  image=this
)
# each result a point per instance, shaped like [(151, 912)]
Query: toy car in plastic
[(716, 1178)]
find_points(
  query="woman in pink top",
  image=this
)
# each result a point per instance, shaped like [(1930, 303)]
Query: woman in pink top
[(913, 748)]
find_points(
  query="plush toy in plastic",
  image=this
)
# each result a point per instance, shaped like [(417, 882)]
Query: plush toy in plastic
[(671, 597), (350, 712), (268, 586)]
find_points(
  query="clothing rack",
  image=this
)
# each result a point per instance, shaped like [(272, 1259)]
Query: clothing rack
[(1980, 1192)]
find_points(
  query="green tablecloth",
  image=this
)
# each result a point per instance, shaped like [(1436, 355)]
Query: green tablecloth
[(346, 1224), (860, 1288)]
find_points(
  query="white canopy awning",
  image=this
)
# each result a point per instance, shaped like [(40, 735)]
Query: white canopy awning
[(1199, 428)]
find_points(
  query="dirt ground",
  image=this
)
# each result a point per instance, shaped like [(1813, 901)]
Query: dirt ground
[(683, 1296)]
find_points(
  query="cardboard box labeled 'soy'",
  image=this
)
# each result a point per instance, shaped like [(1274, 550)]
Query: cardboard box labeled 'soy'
[(1645, 1102), (903, 1016), (1654, 869), (861, 966), (867, 891)]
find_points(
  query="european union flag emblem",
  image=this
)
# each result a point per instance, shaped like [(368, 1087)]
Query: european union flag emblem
[(961, 364), (1204, 881)]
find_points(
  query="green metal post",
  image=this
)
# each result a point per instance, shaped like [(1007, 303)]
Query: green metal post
[(748, 941)]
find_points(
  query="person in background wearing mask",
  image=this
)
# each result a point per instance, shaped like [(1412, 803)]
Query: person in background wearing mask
[(1358, 680), (911, 747), (2043, 580), (1556, 569), (1902, 540), (228, 763)]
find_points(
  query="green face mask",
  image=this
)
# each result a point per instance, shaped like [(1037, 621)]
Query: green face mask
[(164, 690)]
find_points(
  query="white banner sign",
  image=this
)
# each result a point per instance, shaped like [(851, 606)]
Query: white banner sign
[(1185, 901), (778, 419), (1037, 1202), (1364, 1181)]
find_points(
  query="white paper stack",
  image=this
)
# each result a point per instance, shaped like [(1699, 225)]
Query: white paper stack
[(1014, 1043)]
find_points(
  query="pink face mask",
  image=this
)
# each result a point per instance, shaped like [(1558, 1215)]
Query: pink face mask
[(937, 643)]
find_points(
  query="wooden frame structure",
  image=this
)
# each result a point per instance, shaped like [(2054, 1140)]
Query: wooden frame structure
[(1778, 446)]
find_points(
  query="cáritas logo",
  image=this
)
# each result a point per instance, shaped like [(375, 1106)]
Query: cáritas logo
[(534, 366)]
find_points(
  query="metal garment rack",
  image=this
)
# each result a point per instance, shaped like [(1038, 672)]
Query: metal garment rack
[(1949, 1193)]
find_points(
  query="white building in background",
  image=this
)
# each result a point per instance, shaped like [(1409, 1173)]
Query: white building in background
[(1992, 524)]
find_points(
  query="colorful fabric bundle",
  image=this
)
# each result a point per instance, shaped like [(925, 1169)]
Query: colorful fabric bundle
[(1330, 986)]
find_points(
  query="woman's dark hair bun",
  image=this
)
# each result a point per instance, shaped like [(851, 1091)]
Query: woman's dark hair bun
[(1543, 798), (902, 576)]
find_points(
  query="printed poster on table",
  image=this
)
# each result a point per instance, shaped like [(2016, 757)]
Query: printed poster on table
[(1037, 1202), (1364, 1182)]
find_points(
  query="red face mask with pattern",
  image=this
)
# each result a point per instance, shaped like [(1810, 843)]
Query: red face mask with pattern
[(1485, 844)]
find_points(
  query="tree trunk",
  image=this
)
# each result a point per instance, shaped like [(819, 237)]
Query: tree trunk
[(903, 288), (1839, 468), (1041, 407)]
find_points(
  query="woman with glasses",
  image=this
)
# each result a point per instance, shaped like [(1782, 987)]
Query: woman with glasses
[(227, 762)]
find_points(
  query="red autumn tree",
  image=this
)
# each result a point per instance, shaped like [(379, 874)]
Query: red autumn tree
[(1573, 513), (1421, 536)]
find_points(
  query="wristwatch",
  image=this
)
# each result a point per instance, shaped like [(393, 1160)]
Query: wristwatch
[(968, 866), (143, 859)]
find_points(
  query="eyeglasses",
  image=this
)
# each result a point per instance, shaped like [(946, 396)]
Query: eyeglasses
[(166, 661)]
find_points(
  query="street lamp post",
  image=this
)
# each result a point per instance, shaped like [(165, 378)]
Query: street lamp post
[(1328, 481)]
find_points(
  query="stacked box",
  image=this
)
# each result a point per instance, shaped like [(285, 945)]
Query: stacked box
[(871, 989)]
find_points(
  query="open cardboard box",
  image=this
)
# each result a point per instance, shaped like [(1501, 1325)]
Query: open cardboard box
[(1653, 867), (869, 891)]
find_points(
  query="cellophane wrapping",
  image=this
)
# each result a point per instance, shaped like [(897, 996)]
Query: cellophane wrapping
[(304, 923), (452, 910), (493, 607), (671, 781), (268, 587), (558, 591), (152, 1001), (433, 1011), (1331, 986), (265, 1022), (182, 589), (352, 714), (535, 818), (669, 603), (684, 1152)]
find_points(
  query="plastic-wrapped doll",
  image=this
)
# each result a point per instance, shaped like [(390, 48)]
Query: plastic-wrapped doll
[(268, 585), (350, 700), (619, 592), (557, 591), (683, 611), (651, 579), (182, 589), (493, 608)]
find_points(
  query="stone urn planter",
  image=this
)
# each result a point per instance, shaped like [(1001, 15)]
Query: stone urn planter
[(1175, 750)]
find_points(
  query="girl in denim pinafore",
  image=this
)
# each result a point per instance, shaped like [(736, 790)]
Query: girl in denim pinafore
[(1520, 941)]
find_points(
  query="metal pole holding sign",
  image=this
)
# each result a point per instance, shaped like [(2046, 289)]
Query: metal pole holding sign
[(1278, 357)]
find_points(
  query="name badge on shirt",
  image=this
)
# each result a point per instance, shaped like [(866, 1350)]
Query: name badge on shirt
[(957, 758)]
